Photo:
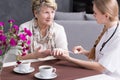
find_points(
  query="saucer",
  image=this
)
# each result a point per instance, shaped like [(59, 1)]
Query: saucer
[(37, 75), (16, 69)]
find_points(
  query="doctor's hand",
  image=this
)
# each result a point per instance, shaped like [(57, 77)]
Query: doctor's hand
[(79, 50)]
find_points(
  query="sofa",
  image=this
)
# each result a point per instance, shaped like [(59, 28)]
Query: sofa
[(81, 29)]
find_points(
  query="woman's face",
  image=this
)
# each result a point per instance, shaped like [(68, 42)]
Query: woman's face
[(100, 18), (45, 16)]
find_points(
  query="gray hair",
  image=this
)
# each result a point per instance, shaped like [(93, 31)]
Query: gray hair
[(37, 4)]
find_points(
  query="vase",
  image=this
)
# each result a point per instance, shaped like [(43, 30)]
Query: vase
[(1, 65)]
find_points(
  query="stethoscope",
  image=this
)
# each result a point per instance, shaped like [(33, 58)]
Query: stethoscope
[(104, 43)]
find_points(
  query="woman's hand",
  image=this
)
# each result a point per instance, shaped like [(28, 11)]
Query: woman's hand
[(79, 50), (60, 53), (42, 53), (57, 52)]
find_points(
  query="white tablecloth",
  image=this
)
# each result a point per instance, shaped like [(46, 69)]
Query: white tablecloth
[(30, 60)]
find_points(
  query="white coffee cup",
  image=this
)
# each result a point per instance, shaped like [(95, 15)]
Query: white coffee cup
[(24, 67), (46, 71)]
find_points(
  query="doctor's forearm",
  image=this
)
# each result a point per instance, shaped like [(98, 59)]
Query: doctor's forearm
[(88, 64)]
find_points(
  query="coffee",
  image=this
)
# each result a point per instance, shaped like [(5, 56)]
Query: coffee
[(46, 67)]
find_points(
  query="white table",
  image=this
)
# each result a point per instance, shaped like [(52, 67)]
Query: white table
[(30, 60)]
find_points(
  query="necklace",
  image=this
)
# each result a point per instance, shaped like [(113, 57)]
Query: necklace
[(103, 45)]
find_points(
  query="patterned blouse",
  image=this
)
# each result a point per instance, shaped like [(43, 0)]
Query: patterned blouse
[(46, 42), (55, 36)]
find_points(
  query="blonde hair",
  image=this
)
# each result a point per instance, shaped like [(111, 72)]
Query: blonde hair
[(108, 6), (111, 8), (37, 4), (92, 51)]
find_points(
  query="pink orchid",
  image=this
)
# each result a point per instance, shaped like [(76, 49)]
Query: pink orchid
[(1, 24), (28, 32), (12, 38), (22, 37), (13, 42), (11, 21)]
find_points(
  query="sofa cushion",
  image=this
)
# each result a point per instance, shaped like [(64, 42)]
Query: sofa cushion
[(89, 17), (81, 33), (70, 16)]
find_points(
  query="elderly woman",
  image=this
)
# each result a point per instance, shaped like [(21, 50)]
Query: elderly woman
[(47, 35), (106, 51)]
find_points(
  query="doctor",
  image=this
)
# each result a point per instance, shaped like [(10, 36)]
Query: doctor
[(106, 51)]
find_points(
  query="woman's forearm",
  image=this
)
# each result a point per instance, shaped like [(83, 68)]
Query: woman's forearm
[(87, 64), (33, 56), (27, 56)]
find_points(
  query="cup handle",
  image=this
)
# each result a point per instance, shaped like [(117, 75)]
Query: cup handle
[(54, 70)]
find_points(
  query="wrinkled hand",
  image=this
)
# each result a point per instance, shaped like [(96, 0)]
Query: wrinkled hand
[(60, 53), (42, 53), (38, 50), (57, 52)]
